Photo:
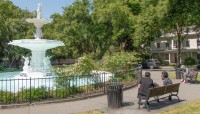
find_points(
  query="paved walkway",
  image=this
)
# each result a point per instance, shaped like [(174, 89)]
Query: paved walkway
[(188, 92)]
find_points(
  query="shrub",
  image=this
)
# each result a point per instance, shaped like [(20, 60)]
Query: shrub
[(83, 67), (36, 94), (6, 97), (189, 61), (119, 61), (2, 68)]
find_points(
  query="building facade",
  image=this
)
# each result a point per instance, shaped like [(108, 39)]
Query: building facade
[(166, 47)]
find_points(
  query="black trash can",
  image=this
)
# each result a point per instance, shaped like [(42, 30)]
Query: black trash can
[(115, 95), (178, 73)]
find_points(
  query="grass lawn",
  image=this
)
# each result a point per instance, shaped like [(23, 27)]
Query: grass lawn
[(189, 108), (91, 112)]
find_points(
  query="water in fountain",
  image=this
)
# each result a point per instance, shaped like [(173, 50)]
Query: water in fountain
[(39, 63)]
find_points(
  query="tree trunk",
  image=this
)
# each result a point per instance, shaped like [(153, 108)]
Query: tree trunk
[(179, 31)]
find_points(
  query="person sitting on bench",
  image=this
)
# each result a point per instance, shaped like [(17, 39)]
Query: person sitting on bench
[(166, 79), (185, 72), (144, 84)]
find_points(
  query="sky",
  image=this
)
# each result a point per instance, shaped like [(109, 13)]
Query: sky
[(49, 7)]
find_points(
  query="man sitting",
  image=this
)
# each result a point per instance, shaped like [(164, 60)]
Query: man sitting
[(144, 84)]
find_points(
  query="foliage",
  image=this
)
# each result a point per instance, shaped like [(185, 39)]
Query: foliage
[(190, 61), (5, 69), (6, 97), (73, 27), (147, 26), (84, 66), (114, 24), (119, 61), (179, 16), (93, 27), (13, 26), (2, 68), (121, 64), (36, 94)]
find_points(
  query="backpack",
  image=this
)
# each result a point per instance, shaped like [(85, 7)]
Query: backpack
[(188, 71)]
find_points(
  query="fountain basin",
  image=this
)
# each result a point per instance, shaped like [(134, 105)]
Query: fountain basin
[(37, 44)]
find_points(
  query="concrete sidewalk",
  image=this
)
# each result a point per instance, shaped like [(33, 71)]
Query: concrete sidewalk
[(188, 92)]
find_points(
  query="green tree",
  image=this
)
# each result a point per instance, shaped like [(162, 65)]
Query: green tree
[(12, 26), (179, 16), (114, 24), (73, 28), (148, 26)]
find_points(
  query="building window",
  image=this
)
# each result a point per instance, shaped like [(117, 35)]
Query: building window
[(198, 42), (175, 44), (187, 43), (166, 56), (158, 45), (167, 45)]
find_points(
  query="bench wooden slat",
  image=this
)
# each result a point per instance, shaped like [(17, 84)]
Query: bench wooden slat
[(152, 92), (172, 88)]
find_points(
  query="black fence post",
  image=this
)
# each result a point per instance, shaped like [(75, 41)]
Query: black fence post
[(30, 100)]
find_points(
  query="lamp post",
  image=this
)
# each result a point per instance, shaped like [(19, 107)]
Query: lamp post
[(198, 50)]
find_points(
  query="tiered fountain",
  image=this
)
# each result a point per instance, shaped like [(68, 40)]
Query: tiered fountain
[(39, 63)]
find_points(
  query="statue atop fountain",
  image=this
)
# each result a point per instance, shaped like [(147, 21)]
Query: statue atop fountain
[(39, 11)]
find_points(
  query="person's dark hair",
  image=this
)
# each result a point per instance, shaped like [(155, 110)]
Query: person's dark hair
[(165, 74), (147, 74)]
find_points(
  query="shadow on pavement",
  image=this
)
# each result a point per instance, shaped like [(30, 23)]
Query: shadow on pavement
[(125, 104), (153, 105)]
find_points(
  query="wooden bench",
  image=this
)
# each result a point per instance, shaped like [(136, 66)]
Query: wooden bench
[(172, 90), (192, 76)]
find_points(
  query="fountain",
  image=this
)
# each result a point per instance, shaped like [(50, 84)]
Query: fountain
[(39, 65), (37, 68)]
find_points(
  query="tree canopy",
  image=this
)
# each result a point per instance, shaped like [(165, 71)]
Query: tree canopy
[(12, 26), (98, 27)]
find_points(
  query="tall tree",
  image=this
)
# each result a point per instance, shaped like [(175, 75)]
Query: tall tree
[(73, 28), (114, 24), (148, 26), (12, 26), (179, 15)]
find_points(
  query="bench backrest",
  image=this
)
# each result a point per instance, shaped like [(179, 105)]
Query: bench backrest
[(158, 91), (172, 88), (195, 74)]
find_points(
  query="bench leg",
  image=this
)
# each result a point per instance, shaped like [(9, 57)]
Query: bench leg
[(139, 103), (146, 104), (157, 98), (170, 96)]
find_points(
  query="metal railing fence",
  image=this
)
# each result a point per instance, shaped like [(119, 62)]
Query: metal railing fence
[(23, 90)]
